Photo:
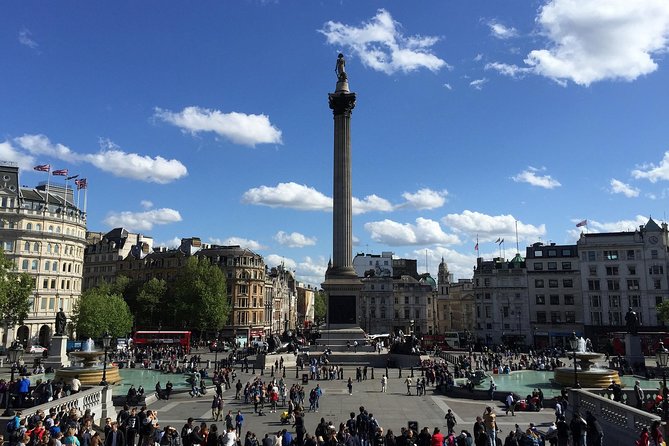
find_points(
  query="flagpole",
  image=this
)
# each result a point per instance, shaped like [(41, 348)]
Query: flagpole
[(48, 177), (85, 197), (65, 212), (517, 246)]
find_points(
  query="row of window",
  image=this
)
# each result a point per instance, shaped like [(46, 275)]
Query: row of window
[(51, 248), (614, 318), (615, 301), (33, 265), (614, 284), (396, 299), (556, 317), (65, 284), (554, 283), (243, 302), (614, 254), (242, 317), (554, 299), (551, 266), (566, 252)]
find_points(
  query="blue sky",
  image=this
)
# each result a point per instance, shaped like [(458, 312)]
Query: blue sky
[(210, 119)]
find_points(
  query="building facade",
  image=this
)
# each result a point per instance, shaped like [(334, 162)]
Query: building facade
[(44, 233)]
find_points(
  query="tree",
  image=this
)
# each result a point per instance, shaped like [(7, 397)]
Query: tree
[(200, 296), (663, 311), (149, 299), (15, 291), (99, 311), (320, 309)]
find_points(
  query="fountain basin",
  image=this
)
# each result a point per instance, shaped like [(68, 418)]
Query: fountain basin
[(90, 376), (588, 375)]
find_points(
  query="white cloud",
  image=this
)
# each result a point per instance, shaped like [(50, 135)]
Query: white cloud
[(370, 203), (380, 45), (459, 264), (240, 128), (253, 245), (508, 70), (652, 172), (594, 40), (109, 159), (294, 239), (142, 221), (478, 83), (490, 227), (425, 199), (25, 38), (9, 153), (448, 86), (288, 195), (530, 176), (311, 271), (501, 31), (618, 187), (171, 244), (478, 57), (424, 232), (146, 204), (612, 226)]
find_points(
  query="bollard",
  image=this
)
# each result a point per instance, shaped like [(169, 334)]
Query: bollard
[(422, 371), (387, 372), (372, 372), (412, 371), (262, 371), (400, 372), (284, 371), (247, 368), (272, 372), (254, 369), (297, 371)]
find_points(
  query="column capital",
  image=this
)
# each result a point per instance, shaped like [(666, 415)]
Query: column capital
[(341, 103)]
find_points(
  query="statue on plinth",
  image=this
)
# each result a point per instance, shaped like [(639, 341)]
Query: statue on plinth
[(61, 321), (340, 68), (632, 321)]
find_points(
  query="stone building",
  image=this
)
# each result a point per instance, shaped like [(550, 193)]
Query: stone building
[(280, 289), (44, 233)]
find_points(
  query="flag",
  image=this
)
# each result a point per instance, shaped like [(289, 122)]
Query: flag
[(476, 246), (60, 173), (43, 167), (501, 241), (82, 183), (582, 223), (497, 241), (72, 177)]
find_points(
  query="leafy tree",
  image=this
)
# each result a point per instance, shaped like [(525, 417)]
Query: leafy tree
[(99, 311), (150, 298), (200, 295), (663, 311), (320, 309), (15, 291)]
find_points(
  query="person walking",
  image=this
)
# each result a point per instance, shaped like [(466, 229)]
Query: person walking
[(350, 386), (450, 421), (510, 404), (638, 393), (408, 381), (239, 423), (595, 431), (384, 384), (490, 421)]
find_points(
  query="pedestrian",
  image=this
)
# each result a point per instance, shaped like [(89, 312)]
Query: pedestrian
[(350, 386), (644, 438), (510, 404), (595, 432), (490, 421), (239, 423), (384, 384), (491, 390), (408, 382), (450, 421), (638, 393)]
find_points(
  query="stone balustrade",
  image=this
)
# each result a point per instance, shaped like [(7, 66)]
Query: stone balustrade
[(619, 421)]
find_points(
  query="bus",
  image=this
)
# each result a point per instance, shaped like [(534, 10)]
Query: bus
[(449, 340), (168, 338)]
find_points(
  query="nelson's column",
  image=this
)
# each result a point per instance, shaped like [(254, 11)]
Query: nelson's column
[(342, 285)]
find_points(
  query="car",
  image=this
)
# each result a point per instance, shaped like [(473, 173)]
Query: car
[(218, 347), (37, 349)]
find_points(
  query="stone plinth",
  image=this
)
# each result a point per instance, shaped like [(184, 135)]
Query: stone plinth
[(633, 352), (57, 353)]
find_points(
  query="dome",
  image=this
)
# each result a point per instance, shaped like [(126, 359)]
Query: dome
[(428, 280)]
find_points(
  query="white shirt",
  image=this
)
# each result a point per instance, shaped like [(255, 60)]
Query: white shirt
[(229, 438), (76, 384)]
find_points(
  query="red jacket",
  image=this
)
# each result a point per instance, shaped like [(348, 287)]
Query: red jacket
[(437, 439)]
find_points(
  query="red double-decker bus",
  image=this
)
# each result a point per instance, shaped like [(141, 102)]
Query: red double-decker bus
[(167, 338)]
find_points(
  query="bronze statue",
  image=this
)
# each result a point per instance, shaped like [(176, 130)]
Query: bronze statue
[(632, 320), (340, 69), (61, 321)]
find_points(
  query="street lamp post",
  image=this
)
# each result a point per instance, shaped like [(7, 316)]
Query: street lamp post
[(573, 342), (106, 341), (15, 351), (662, 358), (216, 347)]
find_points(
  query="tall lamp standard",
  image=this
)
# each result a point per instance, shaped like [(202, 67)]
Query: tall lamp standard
[(573, 342), (662, 358), (106, 341), (216, 348), (15, 351)]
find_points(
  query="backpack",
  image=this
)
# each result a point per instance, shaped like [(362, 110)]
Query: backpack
[(185, 435), (450, 440), (11, 426)]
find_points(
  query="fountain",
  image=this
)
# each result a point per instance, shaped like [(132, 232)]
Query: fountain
[(90, 370), (588, 373)]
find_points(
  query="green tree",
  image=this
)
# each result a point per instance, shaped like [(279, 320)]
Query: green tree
[(15, 291), (150, 298), (99, 311), (200, 295), (663, 311), (320, 308)]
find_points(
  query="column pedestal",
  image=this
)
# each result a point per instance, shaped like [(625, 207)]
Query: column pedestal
[(57, 353), (633, 352)]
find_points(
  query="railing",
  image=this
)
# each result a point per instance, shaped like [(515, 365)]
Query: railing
[(450, 357), (619, 421)]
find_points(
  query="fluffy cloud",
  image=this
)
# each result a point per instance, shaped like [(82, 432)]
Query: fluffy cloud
[(490, 227), (240, 128), (448, 86), (26, 38), (146, 204), (595, 40), (531, 176), (288, 195), (170, 244), (618, 187), (109, 159), (424, 232), (425, 199), (294, 239), (380, 45), (253, 245), (370, 203), (311, 271), (508, 70), (142, 221), (459, 264), (10, 153), (500, 31), (652, 172), (612, 226), (478, 83)]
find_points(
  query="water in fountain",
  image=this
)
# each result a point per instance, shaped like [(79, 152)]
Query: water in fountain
[(88, 345)]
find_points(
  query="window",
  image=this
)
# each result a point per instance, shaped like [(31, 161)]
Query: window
[(614, 301), (596, 317), (406, 313), (29, 227), (611, 270), (552, 253), (593, 270), (417, 300), (556, 317), (397, 300), (632, 284), (538, 283), (538, 253), (658, 300), (33, 265), (596, 301), (630, 254), (614, 318), (567, 283), (553, 283), (613, 284), (486, 282), (538, 266), (593, 285), (592, 256), (634, 300), (53, 284), (570, 317), (653, 253), (657, 284), (406, 300), (416, 313), (569, 299), (505, 311), (631, 269), (541, 317), (555, 299), (540, 299), (26, 247), (24, 264), (656, 269), (566, 252), (552, 266), (611, 255), (566, 265)]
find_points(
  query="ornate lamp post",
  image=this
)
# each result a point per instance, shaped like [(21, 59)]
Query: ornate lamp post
[(15, 351), (573, 342), (216, 347), (662, 358), (106, 341)]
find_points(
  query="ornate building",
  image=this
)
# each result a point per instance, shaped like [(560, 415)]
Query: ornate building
[(44, 233), (456, 305)]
